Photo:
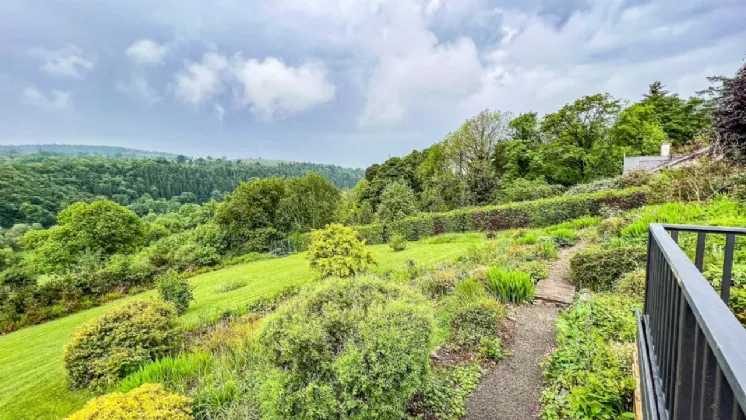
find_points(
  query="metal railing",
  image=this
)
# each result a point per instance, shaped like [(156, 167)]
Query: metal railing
[(692, 349)]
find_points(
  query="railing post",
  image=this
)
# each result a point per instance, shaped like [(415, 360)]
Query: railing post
[(730, 243)]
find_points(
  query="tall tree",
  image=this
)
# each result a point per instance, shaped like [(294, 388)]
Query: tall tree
[(638, 130), (680, 119), (575, 133), (730, 116)]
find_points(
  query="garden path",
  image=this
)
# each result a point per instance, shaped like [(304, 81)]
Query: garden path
[(556, 287), (512, 390)]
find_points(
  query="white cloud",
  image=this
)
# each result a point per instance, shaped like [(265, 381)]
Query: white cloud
[(272, 89), (199, 82), (269, 89), (139, 86), (57, 101), (147, 52), (69, 62), (219, 112)]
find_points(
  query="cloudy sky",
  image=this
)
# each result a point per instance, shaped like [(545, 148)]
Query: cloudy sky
[(337, 81)]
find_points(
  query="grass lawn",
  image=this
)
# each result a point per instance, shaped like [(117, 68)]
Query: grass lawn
[(32, 377)]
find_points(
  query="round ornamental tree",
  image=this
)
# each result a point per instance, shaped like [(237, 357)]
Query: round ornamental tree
[(119, 341), (337, 251)]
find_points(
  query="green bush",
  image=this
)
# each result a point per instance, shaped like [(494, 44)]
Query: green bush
[(175, 289), (539, 213), (598, 269), (589, 375), (337, 251), (523, 189), (148, 402), (119, 341), (632, 284), (473, 321), (398, 242), (528, 238), (510, 286), (538, 270), (437, 283), (346, 349), (444, 394), (597, 186)]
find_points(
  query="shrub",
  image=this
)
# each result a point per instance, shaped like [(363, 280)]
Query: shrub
[(175, 289), (538, 270), (473, 321), (523, 189), (346, 349), (611, 227), (699, 182), (148, 402), (468, 291), (398, 242), (635, 178), (598, 269), (632, 284), (119, 341), (597, 186), (437, 283), (445, 391), (336, 251), (510, 286)]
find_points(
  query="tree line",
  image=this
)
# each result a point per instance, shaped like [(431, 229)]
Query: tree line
[(36, 187), (493, 152)]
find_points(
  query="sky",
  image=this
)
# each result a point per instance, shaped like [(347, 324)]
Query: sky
[(348, 82)]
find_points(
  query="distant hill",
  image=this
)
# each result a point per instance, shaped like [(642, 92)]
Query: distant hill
[(82, 150)]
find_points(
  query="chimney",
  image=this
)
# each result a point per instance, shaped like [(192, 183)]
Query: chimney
[(666, 149)]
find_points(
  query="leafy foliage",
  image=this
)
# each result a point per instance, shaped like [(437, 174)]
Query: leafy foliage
[(337, 251), (598, 269), (397, 202), (101, 227), (471, 321), (730, 115), (36, 187), (589, 375), (510, 286), (398, 242), (175, 289), (148, 402), (116, 343), (353, 349)]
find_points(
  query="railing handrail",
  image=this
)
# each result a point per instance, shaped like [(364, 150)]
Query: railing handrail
[(725, 336), (704, 229)]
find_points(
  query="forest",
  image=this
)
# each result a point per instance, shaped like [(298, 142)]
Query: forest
[(36, 187)]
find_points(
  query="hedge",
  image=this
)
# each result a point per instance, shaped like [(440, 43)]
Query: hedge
[(527, 214), (599, 269)]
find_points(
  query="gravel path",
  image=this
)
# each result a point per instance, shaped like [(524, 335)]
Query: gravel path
[(512, 390)]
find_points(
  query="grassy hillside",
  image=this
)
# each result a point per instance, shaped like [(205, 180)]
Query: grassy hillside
[(32, 377)]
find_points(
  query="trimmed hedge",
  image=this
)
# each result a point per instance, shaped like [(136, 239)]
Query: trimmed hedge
[(527, 214), (599, 269)]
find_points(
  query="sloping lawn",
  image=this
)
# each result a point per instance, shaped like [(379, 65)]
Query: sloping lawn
[(32, 377)]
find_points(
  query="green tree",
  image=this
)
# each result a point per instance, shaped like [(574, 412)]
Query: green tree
[(253, 205), (337, 251), (102, 228), (680, 119), (397, 202), (576, 133), (637, 129), (309, 202)]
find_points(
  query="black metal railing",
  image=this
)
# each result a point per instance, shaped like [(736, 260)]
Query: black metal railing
[(692, 349)]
